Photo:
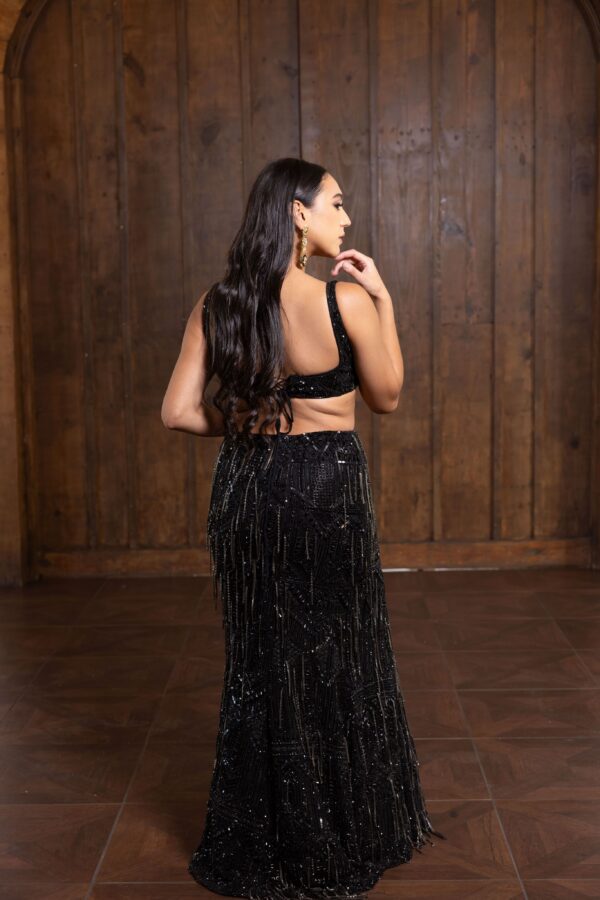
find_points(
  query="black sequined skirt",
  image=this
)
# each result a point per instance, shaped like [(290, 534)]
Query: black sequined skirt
[(315, 788)]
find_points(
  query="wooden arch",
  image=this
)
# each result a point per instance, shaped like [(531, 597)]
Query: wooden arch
[(17, 20)]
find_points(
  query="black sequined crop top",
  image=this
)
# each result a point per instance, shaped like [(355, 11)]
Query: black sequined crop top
[(334, 382)]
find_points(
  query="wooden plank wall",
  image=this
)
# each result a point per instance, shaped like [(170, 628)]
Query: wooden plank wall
[(465, 136)]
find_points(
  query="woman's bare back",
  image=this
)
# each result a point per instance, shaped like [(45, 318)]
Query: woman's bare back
[(311, 348)]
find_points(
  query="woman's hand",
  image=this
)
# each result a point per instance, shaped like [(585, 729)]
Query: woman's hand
[(362, 268)]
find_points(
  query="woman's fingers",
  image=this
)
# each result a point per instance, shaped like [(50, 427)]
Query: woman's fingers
[(361, 267), (352, 261), (344, 253), (345, 264)]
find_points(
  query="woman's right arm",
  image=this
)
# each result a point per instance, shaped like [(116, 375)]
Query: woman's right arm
[(370, 323)]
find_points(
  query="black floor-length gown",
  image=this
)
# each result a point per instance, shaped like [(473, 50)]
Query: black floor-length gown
[(315, 788)]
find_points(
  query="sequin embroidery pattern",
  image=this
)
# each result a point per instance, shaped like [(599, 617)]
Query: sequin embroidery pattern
[(315, 787)]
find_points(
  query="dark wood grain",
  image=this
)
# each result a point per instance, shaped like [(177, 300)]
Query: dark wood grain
[(465, 137)]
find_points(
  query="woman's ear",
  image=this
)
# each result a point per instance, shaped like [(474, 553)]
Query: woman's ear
[(297, 215)]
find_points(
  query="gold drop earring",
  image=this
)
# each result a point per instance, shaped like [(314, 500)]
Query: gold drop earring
[(303, 243)]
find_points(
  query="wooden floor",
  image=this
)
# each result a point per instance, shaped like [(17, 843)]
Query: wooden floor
[(109, 703)]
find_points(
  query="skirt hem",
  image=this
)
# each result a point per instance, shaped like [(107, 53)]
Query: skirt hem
[(332, 893)]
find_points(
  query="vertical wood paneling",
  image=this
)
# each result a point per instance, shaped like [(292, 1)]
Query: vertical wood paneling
[(565, 117), (513, 299), (154, 263), (23, 513), (94, 52), (595, 387), (479, 161), (215, 164), (54, 265), (465, 138), (403, 121), (462, 284), (582, 249), (273, 80)]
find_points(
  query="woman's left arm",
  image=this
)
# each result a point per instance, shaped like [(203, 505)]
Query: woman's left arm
[(182, 406)]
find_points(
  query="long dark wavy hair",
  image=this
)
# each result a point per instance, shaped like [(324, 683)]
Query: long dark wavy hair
[(241, 316)]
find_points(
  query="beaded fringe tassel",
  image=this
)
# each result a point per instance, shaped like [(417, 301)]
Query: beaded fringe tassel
[(315, 787)]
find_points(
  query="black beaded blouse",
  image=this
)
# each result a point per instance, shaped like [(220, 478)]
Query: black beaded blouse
[(334, 382)]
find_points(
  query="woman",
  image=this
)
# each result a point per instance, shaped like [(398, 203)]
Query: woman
[(315, 787)]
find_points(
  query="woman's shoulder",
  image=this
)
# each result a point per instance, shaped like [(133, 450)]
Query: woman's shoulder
[(352, 297), (354, 304), (353, 292)]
